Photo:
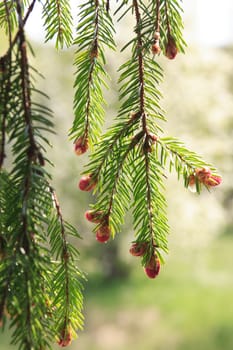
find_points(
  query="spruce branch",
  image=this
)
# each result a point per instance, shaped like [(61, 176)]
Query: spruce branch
[(58, 22), (172, 40), (94, 32), (29, 279), (68, 298), (129, 164), (5, 66), (14, 40)]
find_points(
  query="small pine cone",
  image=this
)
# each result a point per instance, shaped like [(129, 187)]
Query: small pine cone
[(171, 48), (153, 267), (86, 183), (138, 249), (80, 146), (103, 234)]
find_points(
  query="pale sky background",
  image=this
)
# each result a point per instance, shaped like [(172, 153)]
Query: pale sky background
[(207, 22)]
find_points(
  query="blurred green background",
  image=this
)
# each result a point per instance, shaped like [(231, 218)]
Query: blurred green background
[(189, 306)]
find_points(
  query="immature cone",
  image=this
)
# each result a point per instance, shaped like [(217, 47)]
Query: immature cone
[(205, 176), (153, 267), (155, 48), (213, 180), (171, 48), (138, 249), (94, 216), (103, 233), (80, 146), (86, 183), (65, 339)]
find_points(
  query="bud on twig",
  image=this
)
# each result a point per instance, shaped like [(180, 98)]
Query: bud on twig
[(94, 216), (171, 48), (86, 183), (103, 233), (138, 249), (153, 267), (81, 145)]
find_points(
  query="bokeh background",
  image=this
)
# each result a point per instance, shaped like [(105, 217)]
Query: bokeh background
[(189, 306)]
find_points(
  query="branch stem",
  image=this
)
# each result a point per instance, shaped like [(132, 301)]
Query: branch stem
[(167, 18), (140, 65), (93, 58), (23, 22), (65, 255), (157, 20)]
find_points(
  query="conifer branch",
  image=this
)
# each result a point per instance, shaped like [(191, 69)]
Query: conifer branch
[(121, 162), (24, 21), (3, 109), (5, 70), (58, 22), (94, 56), (26, 212), (148, 195), (157, 18), (94, 32), (65, 258), (105, 153), (8, 22), (68, 299), (167, 18)]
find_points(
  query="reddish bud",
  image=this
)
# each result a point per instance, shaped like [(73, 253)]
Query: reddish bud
[(103, 234), (65, 339), (86, 183), (213, 180), (153, 267), (94, 216), (80, 146), (203, 174), (138, 249), (155, 48), (171, 48)]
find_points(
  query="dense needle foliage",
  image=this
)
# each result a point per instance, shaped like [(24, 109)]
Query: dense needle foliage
[(40, 284), (128, 166)]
